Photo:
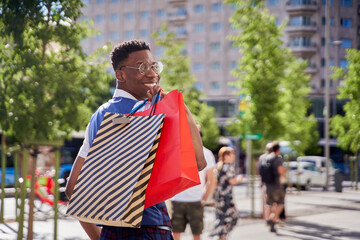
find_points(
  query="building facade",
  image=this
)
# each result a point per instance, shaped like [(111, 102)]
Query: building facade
[(204, 25)]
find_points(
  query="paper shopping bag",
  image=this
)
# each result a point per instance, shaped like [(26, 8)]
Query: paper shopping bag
[(175, 167), (110, 189)]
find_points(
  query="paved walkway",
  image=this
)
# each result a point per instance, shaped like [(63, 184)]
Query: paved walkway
[(312, 214)]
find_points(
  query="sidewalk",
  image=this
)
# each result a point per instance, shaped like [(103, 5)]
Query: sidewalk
[(311, 214)]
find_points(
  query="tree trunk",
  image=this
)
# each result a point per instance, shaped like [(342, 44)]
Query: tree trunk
[(32, 194)]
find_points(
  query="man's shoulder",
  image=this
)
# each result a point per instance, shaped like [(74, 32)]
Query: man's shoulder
[(209, 158)]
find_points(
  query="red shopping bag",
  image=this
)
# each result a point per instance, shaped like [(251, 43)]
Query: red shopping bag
[(175, 168)]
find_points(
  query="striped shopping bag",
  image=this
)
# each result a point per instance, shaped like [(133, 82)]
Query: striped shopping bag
[(110, 189)]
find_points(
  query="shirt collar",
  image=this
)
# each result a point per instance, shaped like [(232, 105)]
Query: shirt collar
[(122, 93)]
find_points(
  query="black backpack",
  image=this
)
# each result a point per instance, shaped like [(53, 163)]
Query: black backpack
[(267, 170)]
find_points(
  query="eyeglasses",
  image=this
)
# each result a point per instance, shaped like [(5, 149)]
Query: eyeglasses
[(145, 67)]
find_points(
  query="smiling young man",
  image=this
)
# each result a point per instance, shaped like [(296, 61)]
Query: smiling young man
[(138, 76)]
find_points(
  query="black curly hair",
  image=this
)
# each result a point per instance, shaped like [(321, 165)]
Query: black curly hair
[(122, 51)]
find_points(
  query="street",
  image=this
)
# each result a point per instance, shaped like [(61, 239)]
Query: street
[(313, 214)]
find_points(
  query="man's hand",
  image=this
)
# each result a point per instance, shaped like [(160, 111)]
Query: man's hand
[(153, 91)]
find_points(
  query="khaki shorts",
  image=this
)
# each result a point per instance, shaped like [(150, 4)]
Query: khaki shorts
[(278, 197), (187, 212)]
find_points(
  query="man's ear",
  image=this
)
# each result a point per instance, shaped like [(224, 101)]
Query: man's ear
[(120, 75)]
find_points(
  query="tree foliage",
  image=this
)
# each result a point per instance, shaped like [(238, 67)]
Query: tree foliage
[(47, 83), (176, 75), (272, 81), (260, 69), (299, 129), (347, 128)]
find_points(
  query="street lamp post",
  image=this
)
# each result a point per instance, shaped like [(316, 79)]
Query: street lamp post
[(327, 92)]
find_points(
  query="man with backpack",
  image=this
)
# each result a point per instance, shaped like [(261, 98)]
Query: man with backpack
[(273, 173)]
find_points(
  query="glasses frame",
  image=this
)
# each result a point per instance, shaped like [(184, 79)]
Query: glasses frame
[(159, 65)]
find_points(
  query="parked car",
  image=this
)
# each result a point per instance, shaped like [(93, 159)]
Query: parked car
[(305, 174), (320, 163)]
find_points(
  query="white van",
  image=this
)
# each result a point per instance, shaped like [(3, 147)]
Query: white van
[(319, 162)]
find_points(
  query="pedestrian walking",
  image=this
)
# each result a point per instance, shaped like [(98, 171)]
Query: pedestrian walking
[(261, 162), (274, 177), (226, 212), (188, 206)]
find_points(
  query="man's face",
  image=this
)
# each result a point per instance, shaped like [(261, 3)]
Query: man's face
[(131, 80)]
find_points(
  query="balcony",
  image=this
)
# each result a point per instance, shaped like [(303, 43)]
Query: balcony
[(300, 6), (311, 69), (302, 28), (303, 50), (176, 1), (181, 36), (178, 16)]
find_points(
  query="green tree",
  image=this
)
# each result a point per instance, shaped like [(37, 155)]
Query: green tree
[(272, 81), (176, 75), (300, 129), (347, 128), (260, 69), (46, 82)]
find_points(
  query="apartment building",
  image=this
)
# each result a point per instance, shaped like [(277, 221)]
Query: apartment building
[(204, 25)]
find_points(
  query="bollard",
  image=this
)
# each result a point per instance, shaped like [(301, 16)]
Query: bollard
[(338, 177)]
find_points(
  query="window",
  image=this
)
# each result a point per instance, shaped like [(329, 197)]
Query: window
[(99, 37), (144, 33), (300, 41), (114, 36), (323, 62), (100, 1), (199, 8), (215, 86), (145, 15), (160, 51), (114, 17), (300, 21), (99, 18), (199, 86), (199, 27), (301, 2), (324, 2), (346, 3), (346, 22), (129, 16), (345, 43), (233, 65), (160, 13), (129, 0), (323, 20), (216, 26), (181, 30), (181, 11), (232, 45), (277, 22), (198, 47), (198, 67), (129, 34), (215, 46), (323, 83), (216, 66), (344, 63), (273, 3), (115, 1), (86, 2), (216, 7)]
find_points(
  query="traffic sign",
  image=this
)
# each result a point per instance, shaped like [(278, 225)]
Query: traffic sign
[(253, 136)]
